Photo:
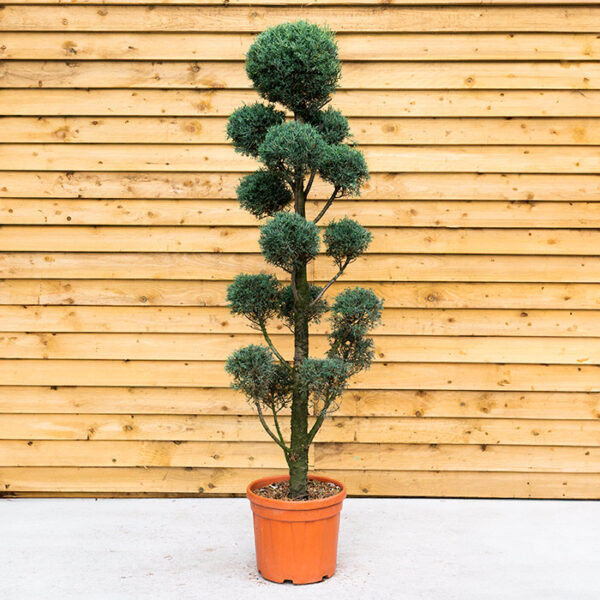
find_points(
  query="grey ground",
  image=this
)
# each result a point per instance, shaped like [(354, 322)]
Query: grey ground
[(389, 548)]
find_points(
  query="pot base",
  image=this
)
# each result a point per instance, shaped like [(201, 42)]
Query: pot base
[(297, 582)]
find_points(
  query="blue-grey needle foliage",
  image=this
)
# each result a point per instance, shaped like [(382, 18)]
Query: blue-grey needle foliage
[(248, 126), (289, 241), (295, 64), (263, 193)]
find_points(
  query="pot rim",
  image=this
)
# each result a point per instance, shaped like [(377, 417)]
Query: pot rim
[(291, 505)]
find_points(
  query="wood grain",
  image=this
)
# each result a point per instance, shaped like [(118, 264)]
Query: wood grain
[(359, 103), (340, 18), (227, 46)]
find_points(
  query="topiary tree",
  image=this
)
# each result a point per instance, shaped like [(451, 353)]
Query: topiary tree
[(296, 66)]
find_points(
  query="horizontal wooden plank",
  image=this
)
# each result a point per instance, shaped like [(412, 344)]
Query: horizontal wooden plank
[(133, 400), (433, 376), (221, 157), (293, 3), (359, 103), (17, 453), (355, 75), (184, 213), (17, 480), (362, 403), (340, 18), (110, 292), (448, 213), (429, 457), (245, 240), (218, 320), (388, 348), (521, 296), (395, 430), (23, 481), (470, 485), (460, 267), (373, 267), (450, 403), (389, 186), (378, 457), (439, 46), (390, 131)]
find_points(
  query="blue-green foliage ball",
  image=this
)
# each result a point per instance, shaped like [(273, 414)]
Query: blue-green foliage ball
[(251, 368), (295, 64), (357, 352), (289, 241), (358, 309), (294, 147), (324, 378), (263, 193), (331, 124), (255, 297), (247, 126), (286, 305), (345, 240), (345, 168), (259, 377), (353, 313)]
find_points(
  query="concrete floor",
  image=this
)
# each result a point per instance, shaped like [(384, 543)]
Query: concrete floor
[(408, 549)]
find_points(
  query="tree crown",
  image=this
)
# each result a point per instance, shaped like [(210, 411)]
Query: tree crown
[(295, 64)]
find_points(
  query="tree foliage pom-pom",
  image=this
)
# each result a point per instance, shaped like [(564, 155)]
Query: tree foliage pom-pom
[(286, 305), (345, 240), (345, 168), (258, 377), (293, 147), (356, 351), (325, 378), (252, 369), (331, 124), (248, 126), (289, 241), (263, 193), (356, 308), (295, 64), (353, 313), (255, 297)]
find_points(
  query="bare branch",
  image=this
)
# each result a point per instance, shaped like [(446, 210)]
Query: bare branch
[(272, 346), (276, 421), (317, 424), (268, 430), (327, 205), (330, 283), (310, 182)]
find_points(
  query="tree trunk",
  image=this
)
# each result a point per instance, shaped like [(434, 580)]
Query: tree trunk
[(299, 420)]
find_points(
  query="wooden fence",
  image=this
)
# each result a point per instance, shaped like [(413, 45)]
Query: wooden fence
[(120, 232)]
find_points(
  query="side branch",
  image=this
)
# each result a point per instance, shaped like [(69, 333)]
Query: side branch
[(327, 205), (310, 182), (331, 282), (320, 418), (272, 347), (277, 440), (279, 434)]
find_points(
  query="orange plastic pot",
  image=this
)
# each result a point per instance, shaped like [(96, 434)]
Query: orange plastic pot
[(295, 541)]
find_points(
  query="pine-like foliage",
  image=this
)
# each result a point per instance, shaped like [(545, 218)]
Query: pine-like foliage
[(295, 68), (263, 193)]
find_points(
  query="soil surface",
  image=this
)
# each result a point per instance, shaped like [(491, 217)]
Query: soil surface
[(316, 490)]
